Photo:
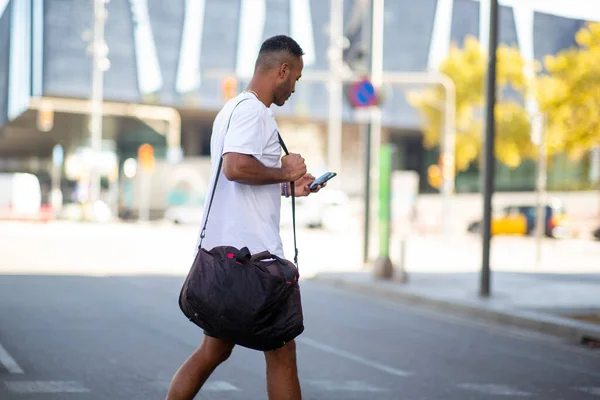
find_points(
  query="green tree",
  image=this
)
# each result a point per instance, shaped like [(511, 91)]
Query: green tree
[(467, 67), (569, 95)]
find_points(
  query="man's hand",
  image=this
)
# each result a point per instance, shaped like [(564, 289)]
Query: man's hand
[(302, 186), (294, 166)]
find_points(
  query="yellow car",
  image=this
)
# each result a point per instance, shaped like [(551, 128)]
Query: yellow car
[(520, 220)]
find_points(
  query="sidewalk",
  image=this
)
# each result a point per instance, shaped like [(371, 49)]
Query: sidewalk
[(541, 302)]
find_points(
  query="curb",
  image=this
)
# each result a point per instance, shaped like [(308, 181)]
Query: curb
[(541, 322)]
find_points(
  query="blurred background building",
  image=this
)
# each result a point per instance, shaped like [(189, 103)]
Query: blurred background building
[(173, 55)]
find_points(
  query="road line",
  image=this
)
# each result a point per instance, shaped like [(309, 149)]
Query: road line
[(344, 386), (493, 389), (8, 362), (219, 386), (210, 386), (591, 390), (353, 357), (23, 387), (463, 320), (549, 362)]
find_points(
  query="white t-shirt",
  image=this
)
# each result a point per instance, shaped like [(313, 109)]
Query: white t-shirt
[(244, 215)]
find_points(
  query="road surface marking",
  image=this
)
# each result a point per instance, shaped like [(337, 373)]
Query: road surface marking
[(344, 386), (353, 357), (463, 320), (591, 390), (492, 389), (8, 362), (211, 386), (219, 386), (45, 387)]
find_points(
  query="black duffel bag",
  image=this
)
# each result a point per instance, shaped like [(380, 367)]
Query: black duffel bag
[(252, 300), (235, 296)]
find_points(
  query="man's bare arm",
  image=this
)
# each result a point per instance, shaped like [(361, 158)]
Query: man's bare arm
[(246, 169)]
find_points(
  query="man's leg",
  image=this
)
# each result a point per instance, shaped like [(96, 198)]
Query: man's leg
[(282, 373), (195, 371)]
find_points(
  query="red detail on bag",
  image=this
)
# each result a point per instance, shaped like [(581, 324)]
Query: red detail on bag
[(230, 255)]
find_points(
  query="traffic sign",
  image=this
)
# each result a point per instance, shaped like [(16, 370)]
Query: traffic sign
[(229, 88), (146, 157), (363, 94), (45, 117)]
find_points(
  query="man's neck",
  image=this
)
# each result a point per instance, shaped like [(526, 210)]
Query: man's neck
[(261, 92)]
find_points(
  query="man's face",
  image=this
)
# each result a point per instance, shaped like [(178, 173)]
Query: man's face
[(289, 73)]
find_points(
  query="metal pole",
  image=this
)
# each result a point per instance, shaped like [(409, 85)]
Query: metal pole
[(367, 221), (377, 27), (336, 63), (383, 264), (145, 194), (489, 156), (540, 223), (100, 51), (448, 152), (367, 36)]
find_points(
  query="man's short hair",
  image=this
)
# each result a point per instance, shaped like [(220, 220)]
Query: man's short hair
[(273, 48)]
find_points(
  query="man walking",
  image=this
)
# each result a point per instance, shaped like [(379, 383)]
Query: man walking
[(247, 210)]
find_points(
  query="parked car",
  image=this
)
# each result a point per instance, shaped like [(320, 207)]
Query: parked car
[(521, 220), (20, 196)]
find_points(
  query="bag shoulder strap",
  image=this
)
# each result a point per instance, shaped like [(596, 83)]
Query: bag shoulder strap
[(214, 188), (292, 189)]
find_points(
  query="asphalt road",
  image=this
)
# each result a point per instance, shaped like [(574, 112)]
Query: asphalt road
[(93, 338)]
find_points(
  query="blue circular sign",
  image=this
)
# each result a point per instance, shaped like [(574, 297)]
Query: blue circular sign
[(363, 94)]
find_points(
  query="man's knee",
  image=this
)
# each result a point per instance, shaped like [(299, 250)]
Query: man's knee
[(283, 355), (217, 350)]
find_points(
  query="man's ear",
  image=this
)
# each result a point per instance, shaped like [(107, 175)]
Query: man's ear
[(284, 70)]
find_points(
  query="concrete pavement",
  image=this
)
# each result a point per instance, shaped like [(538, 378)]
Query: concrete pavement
[(123, 337), (121, 248)]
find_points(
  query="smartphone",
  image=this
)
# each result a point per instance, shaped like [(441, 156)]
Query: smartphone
[(322, 179)]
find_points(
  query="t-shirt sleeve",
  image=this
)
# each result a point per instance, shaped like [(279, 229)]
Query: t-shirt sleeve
[(246, 132)]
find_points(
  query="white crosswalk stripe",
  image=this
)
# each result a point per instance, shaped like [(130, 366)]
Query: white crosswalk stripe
[(343, 386), (591, 390), (8, 362), (353, 357), (24, 387), (494, 389), (210, 386), (219, 386)]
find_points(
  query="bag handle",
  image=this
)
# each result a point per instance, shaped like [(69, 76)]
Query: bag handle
[(288, 274), (265, 255), (214, 189)]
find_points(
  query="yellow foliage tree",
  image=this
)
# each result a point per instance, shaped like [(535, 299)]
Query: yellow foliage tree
[(569, 95), (467, 67)]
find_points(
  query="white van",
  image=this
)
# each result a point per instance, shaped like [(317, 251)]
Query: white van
[(20, 195)]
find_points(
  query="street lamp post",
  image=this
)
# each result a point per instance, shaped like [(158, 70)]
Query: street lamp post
[(489, 156), (99, 65), (336, 64)]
